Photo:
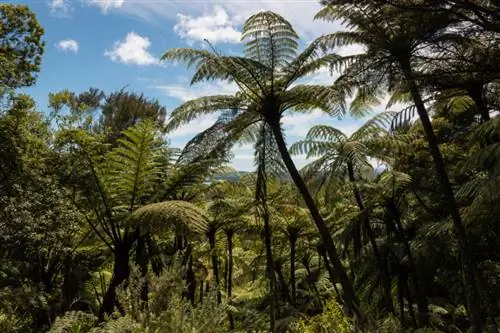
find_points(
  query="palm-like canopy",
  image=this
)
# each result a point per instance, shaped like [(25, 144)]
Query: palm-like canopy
[(267, 80), (340, 154)]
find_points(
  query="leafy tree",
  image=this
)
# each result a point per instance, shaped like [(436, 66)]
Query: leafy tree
[(21, 46)]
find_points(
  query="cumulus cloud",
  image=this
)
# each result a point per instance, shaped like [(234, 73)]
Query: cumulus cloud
[(215, 27), (133, 50), (106, 5), (68, 45)]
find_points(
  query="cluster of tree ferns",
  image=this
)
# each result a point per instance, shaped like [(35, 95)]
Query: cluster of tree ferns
[(107, 228)]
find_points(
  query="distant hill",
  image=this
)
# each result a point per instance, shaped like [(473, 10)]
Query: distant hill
[(234, 176)]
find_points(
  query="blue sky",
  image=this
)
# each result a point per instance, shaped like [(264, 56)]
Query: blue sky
[(110, 44)]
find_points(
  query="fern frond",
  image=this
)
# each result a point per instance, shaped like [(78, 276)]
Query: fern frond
[(161, 216)]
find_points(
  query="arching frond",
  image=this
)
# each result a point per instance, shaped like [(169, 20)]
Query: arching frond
[(161, 216), (271, 39), (308, 97), (134, 165), (202, 106)]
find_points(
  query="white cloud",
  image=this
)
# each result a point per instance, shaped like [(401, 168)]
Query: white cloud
[(133, 50), (299, 13), (68, 45), (215, 27), (59, 7), (106, 5)]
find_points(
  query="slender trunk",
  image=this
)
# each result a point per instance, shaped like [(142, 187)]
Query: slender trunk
[(201, 292), (154, 256), (312, 284), (229, 279), (121, 272), (331, 273), (386, 280), (350, 298), (293, 244), (476, 93), (468, 262), (141, 259), (191, 281), (422, 304), (269, 264), (356, 242), (410, 303), (215, 262), (401, 301), (285, 292)]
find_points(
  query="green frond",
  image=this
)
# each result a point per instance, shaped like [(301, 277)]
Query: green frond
[(375, 127), (202, 106), (158, 217), (133, 165), (271, 39), (188, 56), (308, 62), (398, 97), (340, 39), (326, 133), (308, 97)]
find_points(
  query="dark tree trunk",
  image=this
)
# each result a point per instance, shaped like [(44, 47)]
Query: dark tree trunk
[(312, 285), (401, 301), (293, 244), (121, 272), (229, 279), (469, 265), (422, 304), (331, 273), (154, 256), (350, 298), (410, 303), (141, 259), (269, 264), (202, 291), (215, 262), (476, 93), (285, 292), (191, 281), (386, 279)]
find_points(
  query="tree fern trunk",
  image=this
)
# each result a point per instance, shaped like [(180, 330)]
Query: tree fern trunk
[(229, 279), (422, 304), (469, 265), (331, 273), (386, 280), (215, 262), (269, 264), (141, 259), (348, 290), (285, 292), (121, 272), (293, 245)]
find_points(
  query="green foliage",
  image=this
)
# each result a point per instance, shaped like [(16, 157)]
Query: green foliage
[(106, 228), (331, 320), (21, 46)]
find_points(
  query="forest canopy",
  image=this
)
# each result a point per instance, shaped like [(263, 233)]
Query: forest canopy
[(395, 227)]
